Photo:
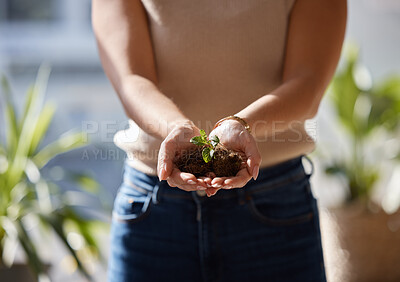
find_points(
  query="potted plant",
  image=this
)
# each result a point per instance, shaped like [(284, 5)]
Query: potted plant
[(362, 236), (27, 196)]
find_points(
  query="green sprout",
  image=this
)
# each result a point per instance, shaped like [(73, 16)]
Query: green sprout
[(209, 145)]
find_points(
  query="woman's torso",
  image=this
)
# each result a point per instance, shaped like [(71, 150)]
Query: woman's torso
[(213, 58)]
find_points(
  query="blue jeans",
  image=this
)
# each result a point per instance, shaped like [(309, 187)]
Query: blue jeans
[(265, 231)]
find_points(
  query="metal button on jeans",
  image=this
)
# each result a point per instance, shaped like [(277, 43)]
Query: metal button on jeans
[(201, 193)]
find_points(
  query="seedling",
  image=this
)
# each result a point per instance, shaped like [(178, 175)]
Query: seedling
[(209, 144), (209, 156)]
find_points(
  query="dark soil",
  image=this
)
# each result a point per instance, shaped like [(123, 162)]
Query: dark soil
[(225, 163)]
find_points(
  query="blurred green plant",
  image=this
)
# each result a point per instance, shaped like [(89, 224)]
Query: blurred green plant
[(26, 196), (363, 110)]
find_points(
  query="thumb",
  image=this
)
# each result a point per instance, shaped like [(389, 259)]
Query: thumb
[(165, 157), (253, 157)]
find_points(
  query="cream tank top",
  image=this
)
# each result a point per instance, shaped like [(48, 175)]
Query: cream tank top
[(213, 58)]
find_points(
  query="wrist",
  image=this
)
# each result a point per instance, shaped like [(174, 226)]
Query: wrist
[(235, 120), (181, 124)]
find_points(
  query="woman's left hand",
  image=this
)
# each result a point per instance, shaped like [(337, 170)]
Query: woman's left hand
[(234, 136)]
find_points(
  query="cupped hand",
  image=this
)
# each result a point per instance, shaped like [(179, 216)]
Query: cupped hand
[(177, 141), (234, 136)]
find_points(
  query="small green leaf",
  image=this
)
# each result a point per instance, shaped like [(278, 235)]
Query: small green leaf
[(206, 154), (203, 134), (197, 140), (212, 153), (214, 141)]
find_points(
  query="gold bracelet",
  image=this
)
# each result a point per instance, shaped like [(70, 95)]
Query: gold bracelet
[(242, 121)]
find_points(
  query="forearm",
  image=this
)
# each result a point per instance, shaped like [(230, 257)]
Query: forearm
[(126, 52), (293, 102), (148, 107)]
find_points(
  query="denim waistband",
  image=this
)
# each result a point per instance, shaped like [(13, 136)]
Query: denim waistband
[(269, 178)]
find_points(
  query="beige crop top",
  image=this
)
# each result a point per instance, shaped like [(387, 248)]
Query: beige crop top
[(225, 52)]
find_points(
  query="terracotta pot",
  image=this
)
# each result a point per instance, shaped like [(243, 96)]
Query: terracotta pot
[(17, 272), (360, 245)]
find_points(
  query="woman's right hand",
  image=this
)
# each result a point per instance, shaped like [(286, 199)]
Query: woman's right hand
[(178, 140)]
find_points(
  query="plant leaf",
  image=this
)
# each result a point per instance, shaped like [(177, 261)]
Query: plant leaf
[(33, 259), (65, 143), (385, 105), (335, 169), (197, 140), (56, 221), (10, 117), (2, 150), (42, 126), (86, 182), (28, 126), (345, 93), (212, 153), (85, 227), (36, 92), (214, 140), (206, 154), (29, 98), (203, 134)]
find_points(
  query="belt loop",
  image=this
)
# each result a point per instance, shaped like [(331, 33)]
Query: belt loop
[(154, 195), (311, 164), (241, 196), (146, 203)]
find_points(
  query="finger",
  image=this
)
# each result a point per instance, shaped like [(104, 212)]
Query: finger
[(218, 182), (205, 180), (212, 191), (191, 188), (183, 178), (253, 158), (222, 184), (184, 187), (170, 182), (238, 181), (165, 159)]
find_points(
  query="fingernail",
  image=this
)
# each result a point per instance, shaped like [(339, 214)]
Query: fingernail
[(228, 187), (255, 172), (201, 188), (191, 182)]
